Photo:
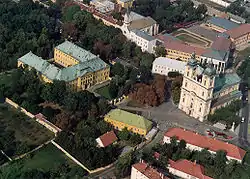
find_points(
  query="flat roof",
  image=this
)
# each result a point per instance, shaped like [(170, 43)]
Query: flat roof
[(223, 23), (175, 64)]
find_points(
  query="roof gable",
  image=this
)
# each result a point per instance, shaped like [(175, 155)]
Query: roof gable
[(108, 138)]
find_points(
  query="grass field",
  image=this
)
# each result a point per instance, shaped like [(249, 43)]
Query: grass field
[(104, 91), (47, 159), (20, 134)]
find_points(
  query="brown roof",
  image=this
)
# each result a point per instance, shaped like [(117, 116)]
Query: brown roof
[(176, 45), (239, 31), (189, 167), (142, 23), (206, 142), (108, 138), (148, 171), (221, 43)]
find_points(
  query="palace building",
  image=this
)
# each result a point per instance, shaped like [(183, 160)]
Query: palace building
[(79, 68), (203, 91)]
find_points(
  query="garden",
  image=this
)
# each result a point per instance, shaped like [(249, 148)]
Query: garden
[(46, 162), (20, 134)]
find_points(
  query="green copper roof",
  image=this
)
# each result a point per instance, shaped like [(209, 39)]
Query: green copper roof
[(226, 80), (75, 51), (88, 63), (130, 119)]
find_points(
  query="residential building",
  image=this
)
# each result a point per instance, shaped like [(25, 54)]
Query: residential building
[(144, 171), (186, 169), (164, 65), (80, 69), (240, 36), (121, 119), (224, 3), (143, 40), (125, 3), (106, 139), (103, 6), (203, 91), (197, 142), (220, 24), (233, 18)]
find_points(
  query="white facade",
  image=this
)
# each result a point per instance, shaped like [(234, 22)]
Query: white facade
[(99, 142), (181, 174), (196, 91), (192, 147), (135, 174), (163, 65), (218, 65), (224, 3)]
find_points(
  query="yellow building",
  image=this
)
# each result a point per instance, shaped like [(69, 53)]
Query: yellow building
[(125, 3), (134, 123), (80, 68)]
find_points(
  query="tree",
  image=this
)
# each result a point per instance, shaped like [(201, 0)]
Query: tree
[(124, 134), (182, 144), (103, 126), (123, 166), (103, 106), (147, 60), (160, 51), (69, 12), (219, 163), (69, 31), (113, 89), (117, 69)]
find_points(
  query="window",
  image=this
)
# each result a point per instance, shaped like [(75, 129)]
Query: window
[(202, 93), (186, 84), (188, 73), (191, 105), (183, 99)]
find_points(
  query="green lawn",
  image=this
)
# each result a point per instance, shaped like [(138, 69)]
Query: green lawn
[(104, 91), (190, 39), (18, 133), (48, 159)]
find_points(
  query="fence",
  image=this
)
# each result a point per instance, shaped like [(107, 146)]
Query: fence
[(42, 121), (79, 163)]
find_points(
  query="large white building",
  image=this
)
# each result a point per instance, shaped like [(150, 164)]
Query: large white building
[(224, 3), (164, 65), (195, 141), (203, 91), (140, 30)]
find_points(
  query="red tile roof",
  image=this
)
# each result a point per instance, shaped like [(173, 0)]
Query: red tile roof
[(189, 167), (108, 138), (239, 31), (172, 44), (148, 171), (206, 142), (221, 43)]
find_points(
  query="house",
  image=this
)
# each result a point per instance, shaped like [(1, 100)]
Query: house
[(199, 142), (103, 6), (186, 169), (203, 91), (79, 68), (106, 139), (144, 171), (240, 35), (125, 3), (164, 65), (121, 119), (220, 24)]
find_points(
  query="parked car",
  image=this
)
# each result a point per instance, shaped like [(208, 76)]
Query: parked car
[(242, 119)]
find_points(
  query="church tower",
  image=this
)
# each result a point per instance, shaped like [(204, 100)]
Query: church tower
[(197, 89), (126, 23)]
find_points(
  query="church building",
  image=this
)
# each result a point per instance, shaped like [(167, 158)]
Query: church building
[(203, 91)]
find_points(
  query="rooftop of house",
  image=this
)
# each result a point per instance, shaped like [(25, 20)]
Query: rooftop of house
[(170, 63), (143, 35), (75, 51), (142, 23), (130, 119), (167, 37), (215, 54), (239, 31), (211, 144), (189, 167), (66, 74), (222, 44), (148, 171), (223, 23), (108, 138), (226, 80)]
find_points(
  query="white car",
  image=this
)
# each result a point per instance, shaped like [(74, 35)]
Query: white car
[(246, 98), (242, 119)]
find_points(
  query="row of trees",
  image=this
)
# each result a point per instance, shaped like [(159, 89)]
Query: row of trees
[(167, 14), (26, 26), (237, 8), (227, 114)]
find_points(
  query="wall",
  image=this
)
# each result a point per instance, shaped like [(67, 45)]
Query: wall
[(181, 174), (64, 59)]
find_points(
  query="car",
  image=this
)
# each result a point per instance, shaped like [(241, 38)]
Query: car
[(246, 98), (242, 119)]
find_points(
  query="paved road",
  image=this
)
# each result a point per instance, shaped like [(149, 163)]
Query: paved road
[(243, 131)]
